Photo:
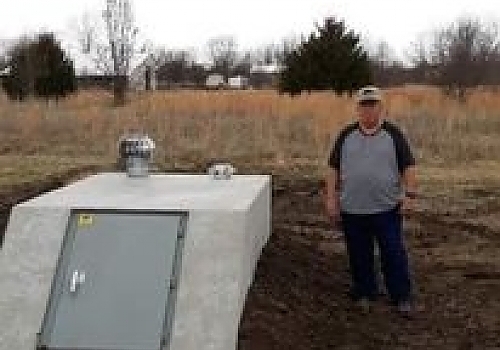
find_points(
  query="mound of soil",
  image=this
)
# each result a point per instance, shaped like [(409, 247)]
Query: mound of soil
[(299, 300)]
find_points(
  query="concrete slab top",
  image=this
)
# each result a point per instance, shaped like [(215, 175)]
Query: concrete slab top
[(155, 192)]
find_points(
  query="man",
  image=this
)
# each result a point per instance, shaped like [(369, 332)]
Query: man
[(370, 184)]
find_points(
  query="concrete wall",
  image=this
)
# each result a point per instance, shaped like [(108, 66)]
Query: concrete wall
[(223, 243), (219, 261), (27, 262)]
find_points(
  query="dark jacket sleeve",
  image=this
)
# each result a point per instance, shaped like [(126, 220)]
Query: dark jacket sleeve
[(336, 151), (404, 154)]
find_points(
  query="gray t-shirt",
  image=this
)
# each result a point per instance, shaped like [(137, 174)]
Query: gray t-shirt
[(370, 168)]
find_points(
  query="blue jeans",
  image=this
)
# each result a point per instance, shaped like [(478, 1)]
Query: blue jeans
[(360, 233)]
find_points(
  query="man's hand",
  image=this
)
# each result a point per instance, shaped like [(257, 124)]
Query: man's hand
[(332, 206), (407, 205), (332, 198), (410, 185)]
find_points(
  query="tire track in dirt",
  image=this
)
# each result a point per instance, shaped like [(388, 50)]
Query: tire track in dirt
[(298, 300)]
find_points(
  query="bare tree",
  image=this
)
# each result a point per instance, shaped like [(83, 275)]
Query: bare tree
[(419, 52), (5, 47), (382, 58), (223, 53), (417, 58), (111, 42), (92, 41), (464, 51), (121, 39), (269, 54), (178, 68), (286, 47), (3, 63), (244, 63)]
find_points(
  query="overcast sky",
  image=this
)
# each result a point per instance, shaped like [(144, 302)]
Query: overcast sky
[(190, 23)]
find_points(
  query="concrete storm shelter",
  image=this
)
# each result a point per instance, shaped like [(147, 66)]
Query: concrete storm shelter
[(114, 262)]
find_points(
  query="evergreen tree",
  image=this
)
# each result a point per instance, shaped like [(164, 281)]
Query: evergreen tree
[(39, 67), (331, 59)]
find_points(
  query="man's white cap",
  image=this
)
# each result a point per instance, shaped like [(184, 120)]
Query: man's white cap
[(369, 93)]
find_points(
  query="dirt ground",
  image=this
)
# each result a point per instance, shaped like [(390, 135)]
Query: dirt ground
[(299, 301)]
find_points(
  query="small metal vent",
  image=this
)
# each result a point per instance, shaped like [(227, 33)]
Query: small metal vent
[(221, 171), (135, 154)]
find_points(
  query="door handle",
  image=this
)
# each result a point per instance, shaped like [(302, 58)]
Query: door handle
[(77, 279)]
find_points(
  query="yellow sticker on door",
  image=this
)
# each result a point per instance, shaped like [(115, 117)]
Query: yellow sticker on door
[(85, 220)]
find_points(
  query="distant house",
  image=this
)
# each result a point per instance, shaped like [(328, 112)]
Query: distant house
[(265, 76), (4, 73), (98, 81), (143, 76), (215, 81), (87, 76), (180, 74), (238, 82)]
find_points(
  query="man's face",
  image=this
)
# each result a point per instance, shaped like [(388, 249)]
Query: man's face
[(369, 113)]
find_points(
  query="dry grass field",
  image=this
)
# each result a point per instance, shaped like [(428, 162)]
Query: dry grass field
[(256, 128), (298, 300), (457, 145)]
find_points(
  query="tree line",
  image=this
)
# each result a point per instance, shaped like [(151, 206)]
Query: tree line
[(458, 57), (463, 55)]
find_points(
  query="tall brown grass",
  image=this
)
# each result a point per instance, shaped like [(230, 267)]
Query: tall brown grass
[(253, 128)]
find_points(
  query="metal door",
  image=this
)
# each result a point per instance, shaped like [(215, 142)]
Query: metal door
[(113, 283)]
